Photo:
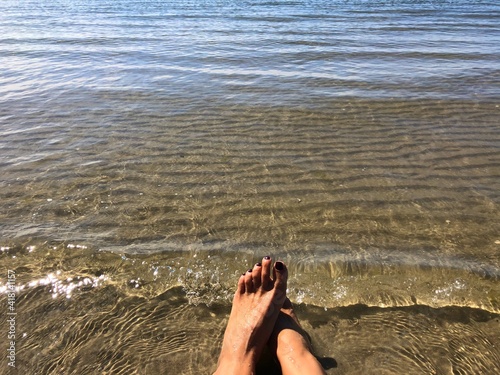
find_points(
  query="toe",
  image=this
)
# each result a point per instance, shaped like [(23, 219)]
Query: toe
[(249, 288), (266, 281), (257, 275), (241, 284), (280, 276)]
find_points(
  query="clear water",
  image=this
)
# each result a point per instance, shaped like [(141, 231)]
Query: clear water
[(150, 151)]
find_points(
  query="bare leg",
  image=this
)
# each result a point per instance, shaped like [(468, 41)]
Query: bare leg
[(291, 346), (256, 306)]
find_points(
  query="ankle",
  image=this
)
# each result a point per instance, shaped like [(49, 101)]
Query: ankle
[(299, 361), (293, 351), (230, 363), (291, 341), (234, 368)]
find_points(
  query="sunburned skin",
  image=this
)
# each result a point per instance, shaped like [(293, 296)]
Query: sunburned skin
[(261, 315)]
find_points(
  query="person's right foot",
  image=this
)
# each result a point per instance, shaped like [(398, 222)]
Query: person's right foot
[(257, 302), (291, 345)]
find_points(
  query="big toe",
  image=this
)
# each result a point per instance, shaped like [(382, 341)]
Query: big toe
[(280, 276)]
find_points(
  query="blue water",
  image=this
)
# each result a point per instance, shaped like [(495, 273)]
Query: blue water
[(258, 51)]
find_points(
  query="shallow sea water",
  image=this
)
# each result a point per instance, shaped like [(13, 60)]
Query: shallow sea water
[(152, 151)]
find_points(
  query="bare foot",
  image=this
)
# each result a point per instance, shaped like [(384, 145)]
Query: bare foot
[(256, 306), (292, 346)]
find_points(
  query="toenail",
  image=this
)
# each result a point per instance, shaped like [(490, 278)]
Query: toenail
[(267, 257), (249, 271), (258, 265), (279, 266)]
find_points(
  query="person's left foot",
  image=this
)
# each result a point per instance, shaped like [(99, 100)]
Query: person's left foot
[(292, 345)]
